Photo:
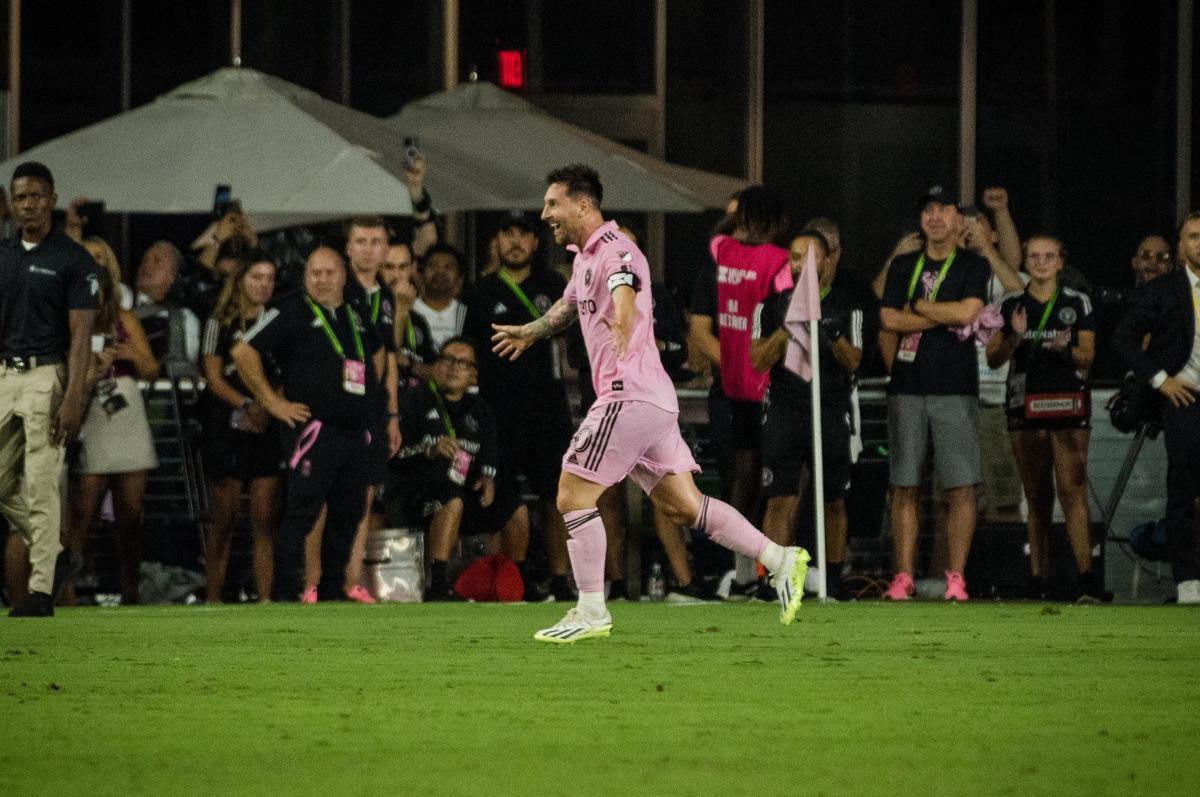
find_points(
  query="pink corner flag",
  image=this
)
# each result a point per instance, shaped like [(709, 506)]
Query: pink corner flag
[(804, 307)]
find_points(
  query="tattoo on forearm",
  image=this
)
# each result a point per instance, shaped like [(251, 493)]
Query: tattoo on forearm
[(557, 318)]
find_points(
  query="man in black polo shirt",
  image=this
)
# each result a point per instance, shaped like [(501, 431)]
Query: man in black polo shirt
[(847, 307), (330, 359), (48, 298), (929, 297), (528, 392)]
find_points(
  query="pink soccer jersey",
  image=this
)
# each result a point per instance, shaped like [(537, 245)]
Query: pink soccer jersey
[(609, 259)]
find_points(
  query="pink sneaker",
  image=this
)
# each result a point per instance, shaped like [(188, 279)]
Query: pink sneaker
[(901, 588), (360, 594), (956, 586), (309, 596)]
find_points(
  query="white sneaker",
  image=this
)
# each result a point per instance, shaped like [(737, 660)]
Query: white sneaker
[(575, 627), (1188, 592), (789, 583)]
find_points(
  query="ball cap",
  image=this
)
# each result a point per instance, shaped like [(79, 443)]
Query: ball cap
[(519, 219), (938, 194)]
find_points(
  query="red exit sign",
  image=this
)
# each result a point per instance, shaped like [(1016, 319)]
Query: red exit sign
[(511, 65)]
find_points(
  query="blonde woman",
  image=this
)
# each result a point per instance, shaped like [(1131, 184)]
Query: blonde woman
[(116, 451), (241, 442)]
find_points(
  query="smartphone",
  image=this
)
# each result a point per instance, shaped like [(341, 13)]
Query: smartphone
[(91, 212), (222, 196)]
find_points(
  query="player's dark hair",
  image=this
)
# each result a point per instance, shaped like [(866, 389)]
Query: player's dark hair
[(34, 169), (460, 339), (760, 215), (445, 249), (579, 179)]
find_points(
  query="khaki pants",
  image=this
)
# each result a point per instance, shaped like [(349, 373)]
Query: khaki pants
[(31, 465)]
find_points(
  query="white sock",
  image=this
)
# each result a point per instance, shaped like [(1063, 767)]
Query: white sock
[(591, 605), (773, 557)]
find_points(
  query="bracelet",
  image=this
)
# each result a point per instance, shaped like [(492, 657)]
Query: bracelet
[(424, 204)]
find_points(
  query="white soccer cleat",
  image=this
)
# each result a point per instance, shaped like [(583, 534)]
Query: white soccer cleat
[(575, 627), (789, 583)]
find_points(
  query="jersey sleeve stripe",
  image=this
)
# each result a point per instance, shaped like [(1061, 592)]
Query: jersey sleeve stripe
[(261, 324)]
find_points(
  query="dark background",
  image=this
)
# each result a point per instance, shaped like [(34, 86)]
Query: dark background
[(1075, 115)]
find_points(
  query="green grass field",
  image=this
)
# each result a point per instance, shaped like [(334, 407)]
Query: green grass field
[(457, 699)]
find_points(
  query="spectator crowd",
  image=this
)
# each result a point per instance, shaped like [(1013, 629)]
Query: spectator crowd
[(350, 385)]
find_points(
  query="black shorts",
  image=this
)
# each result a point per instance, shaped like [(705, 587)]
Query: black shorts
[(417, 489), (532, 445), (787, 448), (230, 454)]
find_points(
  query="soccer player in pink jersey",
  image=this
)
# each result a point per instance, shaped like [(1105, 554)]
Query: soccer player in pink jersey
[(633, 427)]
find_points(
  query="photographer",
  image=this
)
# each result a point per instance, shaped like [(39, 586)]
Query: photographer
[(172, 330), (1166, 314)]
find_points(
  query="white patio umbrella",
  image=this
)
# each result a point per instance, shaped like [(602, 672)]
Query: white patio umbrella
[(501, 134), (287, 153)]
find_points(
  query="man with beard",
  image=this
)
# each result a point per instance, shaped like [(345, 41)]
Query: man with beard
[(438, 304), (528, 394)]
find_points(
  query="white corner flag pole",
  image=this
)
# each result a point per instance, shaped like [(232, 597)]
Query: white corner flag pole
[(818, 459)]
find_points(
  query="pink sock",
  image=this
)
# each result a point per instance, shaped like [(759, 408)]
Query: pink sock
[(725, 526), (586, 544)]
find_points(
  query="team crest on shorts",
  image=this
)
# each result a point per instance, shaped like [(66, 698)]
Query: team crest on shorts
[(768, 477), (582, 439), (1067, 315)]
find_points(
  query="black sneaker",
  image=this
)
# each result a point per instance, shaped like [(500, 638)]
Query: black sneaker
[(37, 604), (560, 588), (694, 592), (765, 593), (1088, 590), (739, 592), (618, 590), (1035, 589)]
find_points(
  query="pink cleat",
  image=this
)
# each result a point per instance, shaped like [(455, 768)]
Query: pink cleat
[(309, 596), (359, 594), (956, 586), (901, 588)]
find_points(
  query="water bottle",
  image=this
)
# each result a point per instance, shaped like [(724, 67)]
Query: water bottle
[(656, 587)]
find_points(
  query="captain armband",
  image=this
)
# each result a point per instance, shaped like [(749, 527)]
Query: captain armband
[(619, 278)]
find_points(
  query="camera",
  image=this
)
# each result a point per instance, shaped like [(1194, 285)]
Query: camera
[(111, 401)]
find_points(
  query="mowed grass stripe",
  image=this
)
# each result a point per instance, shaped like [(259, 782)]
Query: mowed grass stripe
[(458, 699)]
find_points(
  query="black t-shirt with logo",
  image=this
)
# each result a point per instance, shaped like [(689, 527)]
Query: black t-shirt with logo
[(376, 305), (312, 369), (1049, 371), (855, 313), (508, 383), (944, 364), (421, 425), (38, 289)]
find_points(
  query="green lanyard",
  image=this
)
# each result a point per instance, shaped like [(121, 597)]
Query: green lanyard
[(375, 306), (825, 291), (410, 334), (443, 413), (520, 294), (337, 344), (916, 275), (1041, 327)]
